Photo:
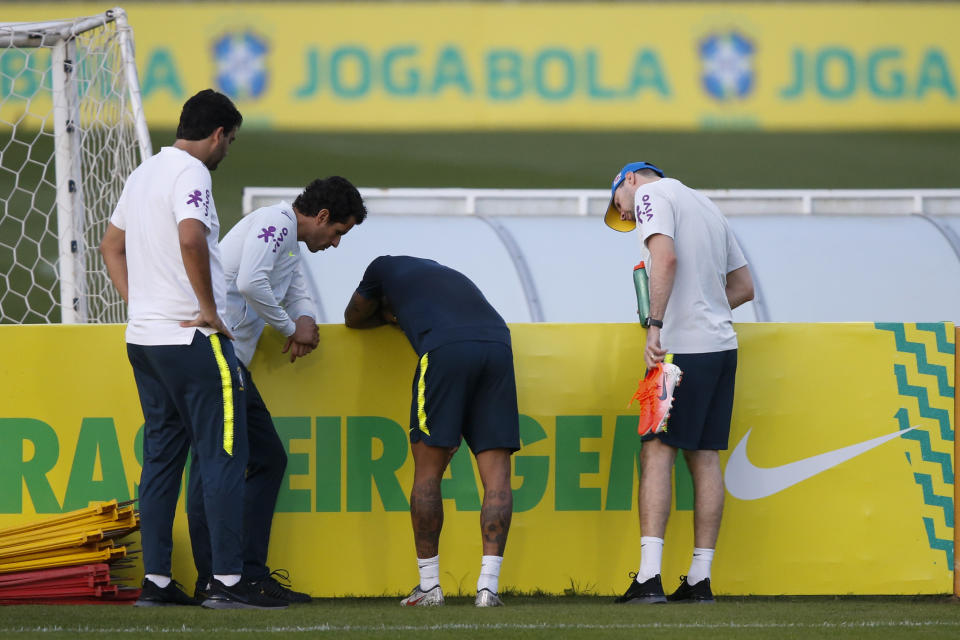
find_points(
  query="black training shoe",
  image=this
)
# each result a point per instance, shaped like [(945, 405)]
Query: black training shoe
[(272, 587), (202, 588), (699, 593), (170, 596), (650, 592), (240, 596)]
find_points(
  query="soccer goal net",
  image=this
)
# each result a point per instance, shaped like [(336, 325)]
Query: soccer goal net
[(71, 130)]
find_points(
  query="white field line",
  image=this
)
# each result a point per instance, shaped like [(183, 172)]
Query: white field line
[(868, 624)]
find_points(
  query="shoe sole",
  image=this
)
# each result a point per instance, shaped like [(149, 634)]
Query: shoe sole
[(154, 603), (692, 601), (233, 604), (646, 600)]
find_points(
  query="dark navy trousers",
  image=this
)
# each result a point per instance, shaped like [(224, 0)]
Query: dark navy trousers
[(265, 469), (189, 394)]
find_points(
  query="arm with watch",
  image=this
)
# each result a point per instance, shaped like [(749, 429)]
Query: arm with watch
[(663, 262)]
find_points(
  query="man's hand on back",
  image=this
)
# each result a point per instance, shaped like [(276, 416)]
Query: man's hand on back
[(209, 318)]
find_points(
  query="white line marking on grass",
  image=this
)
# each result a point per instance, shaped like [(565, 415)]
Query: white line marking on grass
[(868, 624)]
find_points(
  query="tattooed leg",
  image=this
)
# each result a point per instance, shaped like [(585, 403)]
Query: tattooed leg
[(497, 509), (426, 502)]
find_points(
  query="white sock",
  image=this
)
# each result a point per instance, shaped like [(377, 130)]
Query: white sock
[(429, 572), (160, 581), (700, 565), (228, 580), (489, 573), (651, 555)]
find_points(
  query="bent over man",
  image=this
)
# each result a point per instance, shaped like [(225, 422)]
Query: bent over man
[(463, 387)]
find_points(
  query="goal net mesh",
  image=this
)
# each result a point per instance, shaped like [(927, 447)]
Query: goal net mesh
[(102, 126)]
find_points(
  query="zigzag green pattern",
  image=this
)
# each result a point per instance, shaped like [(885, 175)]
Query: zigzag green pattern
[(938, 543), (928, 454), (920, 352), (926, 450), (940, 331), (926, 411), (931, 498)]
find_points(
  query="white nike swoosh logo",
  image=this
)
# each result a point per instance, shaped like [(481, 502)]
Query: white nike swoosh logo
[(748, 482)]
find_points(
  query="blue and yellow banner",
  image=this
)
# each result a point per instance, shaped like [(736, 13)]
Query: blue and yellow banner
[(841, 449), (470, 65)]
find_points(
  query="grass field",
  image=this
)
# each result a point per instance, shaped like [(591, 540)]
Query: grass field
[(523, 617)]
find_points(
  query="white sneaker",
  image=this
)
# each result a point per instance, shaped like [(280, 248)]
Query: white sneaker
[(487, 598), (671, 378), (420, 598)]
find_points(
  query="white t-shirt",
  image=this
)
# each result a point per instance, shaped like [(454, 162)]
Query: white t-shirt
[(261, 260), (698, 318), (165, 189)]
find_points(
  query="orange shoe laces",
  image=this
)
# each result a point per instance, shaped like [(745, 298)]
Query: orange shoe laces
[(648, 388)]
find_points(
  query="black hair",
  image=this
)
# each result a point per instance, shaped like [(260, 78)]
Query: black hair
[(335, 194), (204, 113)]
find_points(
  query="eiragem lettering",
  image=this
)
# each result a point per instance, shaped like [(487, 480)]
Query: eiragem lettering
[(356, 460)]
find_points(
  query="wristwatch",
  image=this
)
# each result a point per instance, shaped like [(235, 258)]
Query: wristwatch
[(652, 322)]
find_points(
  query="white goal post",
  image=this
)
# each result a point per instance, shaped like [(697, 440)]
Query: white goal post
[(72, 129)]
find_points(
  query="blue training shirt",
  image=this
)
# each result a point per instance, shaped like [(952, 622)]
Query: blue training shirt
[(434, 304)]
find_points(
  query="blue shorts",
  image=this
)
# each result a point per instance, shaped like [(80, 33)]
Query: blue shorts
[(468, 390), (702, 402)]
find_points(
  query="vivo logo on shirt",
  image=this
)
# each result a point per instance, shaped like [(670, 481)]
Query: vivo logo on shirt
[(644, 209), (270, 234), (194, 199)]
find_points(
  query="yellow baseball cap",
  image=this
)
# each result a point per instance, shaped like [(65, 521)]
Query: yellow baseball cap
[(612, 217)]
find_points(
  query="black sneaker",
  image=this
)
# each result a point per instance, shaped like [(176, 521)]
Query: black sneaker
[(202, 588), (170, 596), (272, 587), (240, 596), (699, 593), (650, 592)]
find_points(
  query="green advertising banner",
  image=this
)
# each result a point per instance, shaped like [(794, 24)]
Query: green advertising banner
[(841, 449)]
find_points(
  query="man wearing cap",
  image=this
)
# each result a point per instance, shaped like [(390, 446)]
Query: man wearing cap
[(697, 275)]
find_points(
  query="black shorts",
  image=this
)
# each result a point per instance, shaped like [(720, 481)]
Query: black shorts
[(466, 389), (702, 402)]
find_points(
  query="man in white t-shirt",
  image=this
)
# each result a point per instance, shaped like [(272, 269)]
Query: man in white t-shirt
[(162, 254), (265, 285), (697, 275)]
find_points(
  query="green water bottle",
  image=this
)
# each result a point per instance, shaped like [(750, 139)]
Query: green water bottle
[(642, 285)]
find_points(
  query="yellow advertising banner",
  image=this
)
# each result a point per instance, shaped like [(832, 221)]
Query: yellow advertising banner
[(841, 450), (478, 65)]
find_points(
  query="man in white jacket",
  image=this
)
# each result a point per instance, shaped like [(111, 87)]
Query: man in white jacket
[(265, 285)]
